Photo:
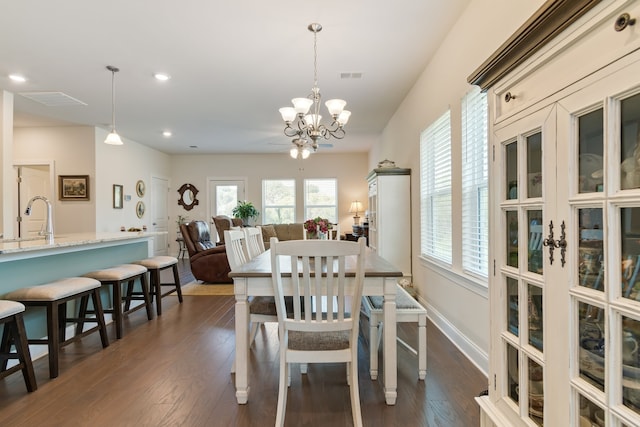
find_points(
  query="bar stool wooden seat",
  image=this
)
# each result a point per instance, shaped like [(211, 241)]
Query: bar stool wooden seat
[(116, 277), (407, 310), (54, 297), (155, 265), (14, 334)]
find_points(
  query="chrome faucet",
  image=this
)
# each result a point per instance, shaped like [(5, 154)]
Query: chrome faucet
[(48, 231)]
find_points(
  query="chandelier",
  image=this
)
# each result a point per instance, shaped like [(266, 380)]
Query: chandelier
[(303, 120)]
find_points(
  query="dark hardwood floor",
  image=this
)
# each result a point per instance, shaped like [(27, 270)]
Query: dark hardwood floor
[(174, 371)]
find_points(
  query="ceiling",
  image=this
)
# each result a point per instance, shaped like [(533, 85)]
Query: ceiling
[(232, 65)]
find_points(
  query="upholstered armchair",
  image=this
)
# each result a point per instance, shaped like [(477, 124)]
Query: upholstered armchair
[(223, 223), (208, 262)]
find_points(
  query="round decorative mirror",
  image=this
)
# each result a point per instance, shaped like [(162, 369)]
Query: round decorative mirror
[(188, 198)]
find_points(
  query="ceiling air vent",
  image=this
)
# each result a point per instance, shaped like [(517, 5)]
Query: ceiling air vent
[(52, 99), (350, 75)]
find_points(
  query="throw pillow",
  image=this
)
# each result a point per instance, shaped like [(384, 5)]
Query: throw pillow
[(268, 231)]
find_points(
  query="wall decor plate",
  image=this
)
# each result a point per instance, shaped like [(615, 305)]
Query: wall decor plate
[(140, 209), (140, 188)]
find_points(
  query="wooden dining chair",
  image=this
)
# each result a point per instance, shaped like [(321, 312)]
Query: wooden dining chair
[(323, 325)]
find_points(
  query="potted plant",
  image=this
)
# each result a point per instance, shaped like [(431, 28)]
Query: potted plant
[(245, 210)]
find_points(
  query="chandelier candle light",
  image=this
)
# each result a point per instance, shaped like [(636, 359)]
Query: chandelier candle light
[(304, 125), (113, 138)]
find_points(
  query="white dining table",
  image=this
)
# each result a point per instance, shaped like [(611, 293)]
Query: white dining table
[(254, 279)]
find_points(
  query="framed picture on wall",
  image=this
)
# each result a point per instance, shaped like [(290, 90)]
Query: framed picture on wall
[(73, 187), (118, 197)]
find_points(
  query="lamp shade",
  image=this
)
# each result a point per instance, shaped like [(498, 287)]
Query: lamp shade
[(302, 105), (113, 139), (356, 207), (288, 114), (335, 106), (343, 118)]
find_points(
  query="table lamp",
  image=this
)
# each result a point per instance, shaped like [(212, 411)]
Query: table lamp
[(356, 207)]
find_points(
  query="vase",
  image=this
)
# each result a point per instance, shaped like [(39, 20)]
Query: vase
[(322, 236)]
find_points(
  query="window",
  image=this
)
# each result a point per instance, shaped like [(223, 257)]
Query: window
[(321, 199), (475, 183), (435, 190), (278, 201)]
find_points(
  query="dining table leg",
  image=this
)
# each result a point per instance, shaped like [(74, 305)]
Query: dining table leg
[(390, 350), (242, 340)]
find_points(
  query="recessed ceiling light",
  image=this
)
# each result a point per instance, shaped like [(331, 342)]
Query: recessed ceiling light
[(162, 77), (17, 78), (167, 133)]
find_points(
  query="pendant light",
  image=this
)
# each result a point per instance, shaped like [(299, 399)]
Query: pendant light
[(113, 138)]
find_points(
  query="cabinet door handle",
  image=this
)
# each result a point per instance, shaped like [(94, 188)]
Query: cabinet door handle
[(550, 242), (560, 243)]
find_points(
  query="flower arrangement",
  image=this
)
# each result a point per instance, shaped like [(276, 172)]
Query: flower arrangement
[(315, 225)]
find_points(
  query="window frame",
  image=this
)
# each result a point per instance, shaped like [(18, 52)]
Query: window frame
[(436, 191), (308, 206), (266, 206), (475, 183)]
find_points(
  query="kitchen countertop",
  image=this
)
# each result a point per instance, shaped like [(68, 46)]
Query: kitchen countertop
[(69, 241)]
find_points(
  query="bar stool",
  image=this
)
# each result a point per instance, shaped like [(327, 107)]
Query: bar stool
[(54, 297), (14, 333), (115, 277), (155, 265)]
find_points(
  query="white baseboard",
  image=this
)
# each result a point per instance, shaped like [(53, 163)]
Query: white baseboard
[(474, 353)]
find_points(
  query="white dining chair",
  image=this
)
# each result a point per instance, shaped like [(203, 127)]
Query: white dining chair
[(255, 244), (261, 309), (320, 328)]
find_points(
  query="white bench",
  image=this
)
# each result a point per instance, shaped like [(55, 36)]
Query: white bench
[(407, 310)]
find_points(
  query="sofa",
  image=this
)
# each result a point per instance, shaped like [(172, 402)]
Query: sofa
[(208, 261), (294, 231)]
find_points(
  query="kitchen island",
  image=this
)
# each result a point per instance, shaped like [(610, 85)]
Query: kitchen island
[(31, 261)]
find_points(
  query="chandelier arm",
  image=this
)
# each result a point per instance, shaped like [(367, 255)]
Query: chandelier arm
[(336, 133), (291, 132)]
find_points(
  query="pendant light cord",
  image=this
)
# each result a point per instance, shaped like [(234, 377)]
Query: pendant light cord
[(113, 70)]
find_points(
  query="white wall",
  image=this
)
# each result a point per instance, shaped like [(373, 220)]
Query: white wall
[(6, 153), (350, 170), (80, 150), (125, 165), (456, 304), (72, 150)]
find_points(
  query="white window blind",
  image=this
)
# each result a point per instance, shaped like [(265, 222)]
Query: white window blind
[(321, 199), (435, 189), (279, 201), (475, 183)]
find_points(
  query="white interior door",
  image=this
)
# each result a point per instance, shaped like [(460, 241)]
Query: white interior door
[(33, 180), (160, 214), (223, 197)]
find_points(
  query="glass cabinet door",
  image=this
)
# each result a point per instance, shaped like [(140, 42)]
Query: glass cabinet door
[(604, 228), (521, 268)]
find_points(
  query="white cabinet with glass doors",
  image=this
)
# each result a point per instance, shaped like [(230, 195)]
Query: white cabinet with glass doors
[(565, 227)]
